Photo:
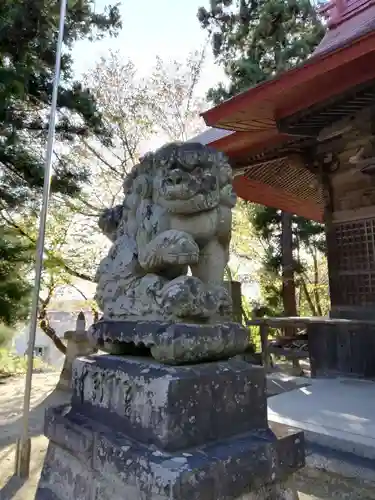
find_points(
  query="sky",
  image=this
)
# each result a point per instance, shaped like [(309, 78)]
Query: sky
[(166, 28)]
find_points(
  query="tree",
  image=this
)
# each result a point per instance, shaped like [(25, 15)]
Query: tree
[(6, 335), (254, 41), (136, 110), (307, 246), (28, 38), (173, 103), (292, 282), (130, 116), (70, 256), (313, 286), (28, 35), (14, 285), (313, 275)]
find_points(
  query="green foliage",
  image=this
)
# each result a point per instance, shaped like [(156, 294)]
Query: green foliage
[(308, 246), (12, 364), (254, 40), (14, 286), (28, 36), (245, 241), (6, 335)]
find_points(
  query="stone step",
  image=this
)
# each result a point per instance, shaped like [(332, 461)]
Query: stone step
[(45, 494), (347, 465), (88, 461), (172, 407)]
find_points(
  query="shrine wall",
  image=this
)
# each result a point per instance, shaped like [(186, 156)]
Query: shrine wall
[(350, 226), (353, 192)]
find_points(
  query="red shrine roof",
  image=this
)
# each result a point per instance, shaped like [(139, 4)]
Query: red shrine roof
[(347, 20), (344, 60), (324, 75)]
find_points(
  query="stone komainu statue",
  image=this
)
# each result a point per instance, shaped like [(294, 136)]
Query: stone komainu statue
[(176, 215)]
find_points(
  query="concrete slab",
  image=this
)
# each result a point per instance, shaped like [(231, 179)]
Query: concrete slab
[(338, 414), (279, 382)]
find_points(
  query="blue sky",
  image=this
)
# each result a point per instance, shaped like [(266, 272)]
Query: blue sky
[(166, 28)]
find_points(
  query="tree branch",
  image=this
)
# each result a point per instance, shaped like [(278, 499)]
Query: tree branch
[(94, 310), (308, 296), (44, 321), (50, 254)]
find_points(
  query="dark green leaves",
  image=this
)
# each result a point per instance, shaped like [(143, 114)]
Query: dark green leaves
[(254, 40)]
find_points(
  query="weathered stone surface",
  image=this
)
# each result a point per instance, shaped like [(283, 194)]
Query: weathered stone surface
[(176, 215), (280, 491), (171, 407), (171, 343), (137, 429), (140, 430), (45, 494), (101, 464), (77, 344)]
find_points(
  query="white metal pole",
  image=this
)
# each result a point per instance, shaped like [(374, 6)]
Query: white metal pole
[(24, 443)]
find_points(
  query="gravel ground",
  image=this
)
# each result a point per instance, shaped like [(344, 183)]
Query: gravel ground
[(311, 485)]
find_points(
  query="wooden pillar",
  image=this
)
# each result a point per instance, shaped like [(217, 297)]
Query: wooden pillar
[(264, 332), (331, 242)]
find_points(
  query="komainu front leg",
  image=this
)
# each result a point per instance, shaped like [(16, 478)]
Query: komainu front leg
[(168, 249), (211, 265)]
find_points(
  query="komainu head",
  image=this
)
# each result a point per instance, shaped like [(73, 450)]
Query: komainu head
[(188, 178), (183, 179)]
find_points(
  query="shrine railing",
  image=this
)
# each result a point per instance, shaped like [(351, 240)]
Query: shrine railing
[(345, 329), (338, 11)]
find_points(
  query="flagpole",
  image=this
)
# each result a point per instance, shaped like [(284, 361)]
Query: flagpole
[(22, 465)]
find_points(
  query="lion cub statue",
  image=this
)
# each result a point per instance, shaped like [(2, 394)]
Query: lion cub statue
[(175, 217)]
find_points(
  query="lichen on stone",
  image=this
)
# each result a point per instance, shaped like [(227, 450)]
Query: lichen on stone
[(175, 216)]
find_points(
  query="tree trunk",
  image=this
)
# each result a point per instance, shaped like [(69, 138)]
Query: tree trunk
[(45, 324), (51, 333), (316, 284), (308, 297), (288, 286)]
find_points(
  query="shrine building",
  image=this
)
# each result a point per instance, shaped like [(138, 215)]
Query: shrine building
[(304, 143)]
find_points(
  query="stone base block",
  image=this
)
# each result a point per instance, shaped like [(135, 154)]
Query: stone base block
[(140, 430), (171, 343), (171, 407), (88, 461)]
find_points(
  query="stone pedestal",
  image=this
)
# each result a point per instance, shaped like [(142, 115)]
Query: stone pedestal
[(137, 429)]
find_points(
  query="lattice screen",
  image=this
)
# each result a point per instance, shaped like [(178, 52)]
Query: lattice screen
[(279, 173), (355, 263)]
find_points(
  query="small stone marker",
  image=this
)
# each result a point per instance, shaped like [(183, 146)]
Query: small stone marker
[(77, 344), (172, 412)]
